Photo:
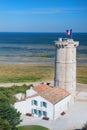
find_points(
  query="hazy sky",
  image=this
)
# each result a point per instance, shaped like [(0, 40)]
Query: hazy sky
[(43, 15)]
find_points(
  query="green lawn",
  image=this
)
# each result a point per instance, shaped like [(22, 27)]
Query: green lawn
[(32, 128)]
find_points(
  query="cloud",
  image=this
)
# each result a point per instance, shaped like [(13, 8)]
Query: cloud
[(43, 11), (32, 11)]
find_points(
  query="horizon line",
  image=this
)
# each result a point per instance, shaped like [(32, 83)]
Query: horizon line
[(38, 32)]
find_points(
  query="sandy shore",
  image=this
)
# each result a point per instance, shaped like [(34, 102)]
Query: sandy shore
[(22, 83), (81, 87)]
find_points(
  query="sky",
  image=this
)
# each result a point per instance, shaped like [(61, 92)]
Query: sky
[(43, 15)]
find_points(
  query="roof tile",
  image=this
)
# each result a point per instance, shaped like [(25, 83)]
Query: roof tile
[(53, 95)]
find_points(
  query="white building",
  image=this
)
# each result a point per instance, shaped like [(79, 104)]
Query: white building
[(45, 101)]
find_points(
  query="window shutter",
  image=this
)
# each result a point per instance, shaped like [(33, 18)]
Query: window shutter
[(36, 103), (46, 114), (41, 113), (41, 104), (46, 105), (36, 112), (32, 102), (32, 111)]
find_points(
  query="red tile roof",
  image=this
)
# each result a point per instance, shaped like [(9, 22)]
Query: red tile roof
[(41, 87), (53, 95)]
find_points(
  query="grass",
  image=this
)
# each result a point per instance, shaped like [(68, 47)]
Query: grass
[(31, 73), (82, 75), (42, 55), (32, 128), (25, 72)]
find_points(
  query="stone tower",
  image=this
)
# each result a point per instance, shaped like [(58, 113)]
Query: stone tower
[(65, 64)]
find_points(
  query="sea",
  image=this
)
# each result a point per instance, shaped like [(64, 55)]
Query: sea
[(36, 47)]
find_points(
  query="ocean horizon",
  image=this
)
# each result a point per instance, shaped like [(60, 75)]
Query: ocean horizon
[(32, 47)]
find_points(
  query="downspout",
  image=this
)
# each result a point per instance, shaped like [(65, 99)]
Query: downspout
[(53, 112)]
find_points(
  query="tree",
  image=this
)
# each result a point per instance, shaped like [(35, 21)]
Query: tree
[(9, 117), (4, 125)]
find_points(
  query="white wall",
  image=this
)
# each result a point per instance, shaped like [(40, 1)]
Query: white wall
[(49, 108), (21, 106), (53, 111), (61, 106), (30, 92)]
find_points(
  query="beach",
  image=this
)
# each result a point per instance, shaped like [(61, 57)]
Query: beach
[(30, 57), (32, 63)]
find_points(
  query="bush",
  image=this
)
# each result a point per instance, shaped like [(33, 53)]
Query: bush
[(84, 127)]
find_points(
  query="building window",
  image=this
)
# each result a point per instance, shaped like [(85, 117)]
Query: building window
[(44, 104), (34, 111), (34, 102), (39, 113), (45, 113)]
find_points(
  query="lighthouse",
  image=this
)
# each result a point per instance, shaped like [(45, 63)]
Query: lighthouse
[(65, 64)]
